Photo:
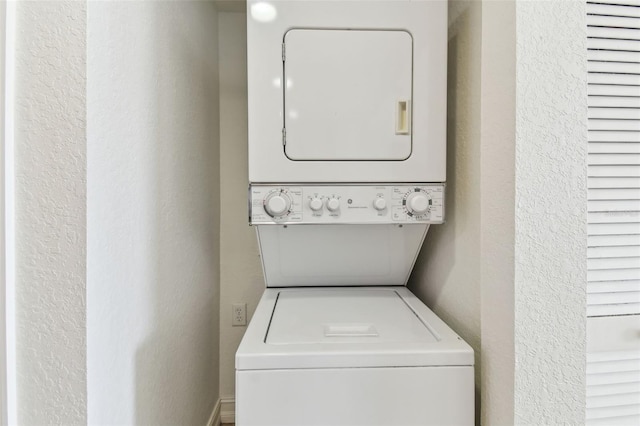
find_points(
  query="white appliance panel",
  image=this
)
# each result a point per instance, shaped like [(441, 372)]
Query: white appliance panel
[(420, 396), (344, 316), (339, 255), (347, 204), (343, 105), (425, 21)]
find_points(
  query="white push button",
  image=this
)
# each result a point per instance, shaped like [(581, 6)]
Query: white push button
[(379, 204)]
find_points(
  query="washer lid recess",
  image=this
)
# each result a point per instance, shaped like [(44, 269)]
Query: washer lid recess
[(345, 316)]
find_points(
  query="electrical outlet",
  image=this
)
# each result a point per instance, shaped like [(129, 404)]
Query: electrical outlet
[(239, 314)]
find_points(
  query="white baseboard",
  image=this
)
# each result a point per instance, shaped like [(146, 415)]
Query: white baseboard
[(228, 410), (214, 419)]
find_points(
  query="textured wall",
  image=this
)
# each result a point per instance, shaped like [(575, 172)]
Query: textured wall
[(153, 213), (241, 277), (447, 273), (550, 243), (50, 166)]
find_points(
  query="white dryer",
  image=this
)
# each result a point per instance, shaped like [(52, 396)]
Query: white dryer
[(347, 91), (347, 147)]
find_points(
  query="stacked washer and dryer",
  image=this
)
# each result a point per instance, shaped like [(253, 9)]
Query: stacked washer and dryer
[(347, 170)]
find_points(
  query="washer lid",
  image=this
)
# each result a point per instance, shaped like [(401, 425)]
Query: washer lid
[(352, 327), (344, 316)]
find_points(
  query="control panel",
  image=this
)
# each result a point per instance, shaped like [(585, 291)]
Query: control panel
[(306, 204)]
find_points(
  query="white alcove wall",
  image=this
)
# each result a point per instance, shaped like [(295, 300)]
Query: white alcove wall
[(153, 212)]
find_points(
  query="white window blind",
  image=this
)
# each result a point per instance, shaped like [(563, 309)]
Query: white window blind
[(614, 158)]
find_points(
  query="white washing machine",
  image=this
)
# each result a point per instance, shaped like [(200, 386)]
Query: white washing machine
[(347, 171), (351, 356), (337, 339)]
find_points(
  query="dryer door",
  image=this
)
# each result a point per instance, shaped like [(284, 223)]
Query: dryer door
[(347, 95)]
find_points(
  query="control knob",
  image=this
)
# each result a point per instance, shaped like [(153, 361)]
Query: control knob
[(379, 204), (417, 203), (277, 204), (333, 204), (315, 204)]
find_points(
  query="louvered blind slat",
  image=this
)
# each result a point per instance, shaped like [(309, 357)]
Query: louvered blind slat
[(614, 205), (614, 137), (612, 412), (617, 389), (599, 264), (597, 241), (618, 217), (614, 194), (614, 400), (614, 274), (615, 79), (613, 8), (615, 125), (614, 148), (609, 378), (616, 2), (614, 159), (614, 113), (615, 67), (616, 90), (615, 101), (622, 229), (615, 251), (614, 182), (609, 286), (617, 298), (612, 21), (618, 33), (613, 310), (614, 45), (617, 421), (613, 171), (619, 56)]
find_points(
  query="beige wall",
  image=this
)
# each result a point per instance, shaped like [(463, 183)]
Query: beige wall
[(447, 273), (241, 278), (497, 211)]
